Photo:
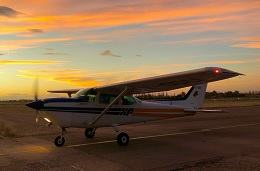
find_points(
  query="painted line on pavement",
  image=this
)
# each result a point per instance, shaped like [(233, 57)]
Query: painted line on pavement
[(74, 167), (95, 143), (165, 135), (2, 137)]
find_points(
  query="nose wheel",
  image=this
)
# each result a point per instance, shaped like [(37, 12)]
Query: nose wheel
[(59, 140)]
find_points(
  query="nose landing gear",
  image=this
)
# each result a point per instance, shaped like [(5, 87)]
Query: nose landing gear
[(59, 141)]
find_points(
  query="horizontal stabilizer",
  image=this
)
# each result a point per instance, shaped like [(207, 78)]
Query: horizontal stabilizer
[(67, 91)]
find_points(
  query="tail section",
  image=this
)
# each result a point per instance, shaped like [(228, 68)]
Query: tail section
[(193, 99)]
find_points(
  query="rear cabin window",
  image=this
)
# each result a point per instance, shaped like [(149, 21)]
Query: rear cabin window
[(108, 98)]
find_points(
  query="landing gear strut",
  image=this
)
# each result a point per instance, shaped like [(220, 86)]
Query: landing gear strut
[(122, 138), (59, 141), (90, 132)]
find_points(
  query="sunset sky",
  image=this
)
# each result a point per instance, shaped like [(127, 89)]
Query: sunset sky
[(75, 44)]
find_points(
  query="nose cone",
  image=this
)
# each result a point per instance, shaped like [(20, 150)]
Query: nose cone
[(37, 105)]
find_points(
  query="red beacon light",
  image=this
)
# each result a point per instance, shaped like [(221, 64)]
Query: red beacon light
[(216, 71)]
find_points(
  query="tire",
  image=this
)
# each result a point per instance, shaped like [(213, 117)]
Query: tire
[(89, 132), (59, 141), (123, 139)]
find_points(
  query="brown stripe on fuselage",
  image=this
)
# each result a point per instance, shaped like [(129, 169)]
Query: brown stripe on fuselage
[(159, 115), (141, 110)]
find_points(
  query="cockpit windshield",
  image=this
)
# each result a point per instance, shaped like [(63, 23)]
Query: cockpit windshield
[(87, 95)]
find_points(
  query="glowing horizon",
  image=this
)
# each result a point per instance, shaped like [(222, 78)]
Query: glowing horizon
[(72, 44)]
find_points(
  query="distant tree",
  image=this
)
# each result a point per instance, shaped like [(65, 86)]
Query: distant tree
[(209, 95)]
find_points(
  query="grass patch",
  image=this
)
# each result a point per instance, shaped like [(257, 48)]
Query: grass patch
[(231, 102), (6, 129)]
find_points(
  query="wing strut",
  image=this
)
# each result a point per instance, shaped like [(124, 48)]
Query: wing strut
[(109, 106)]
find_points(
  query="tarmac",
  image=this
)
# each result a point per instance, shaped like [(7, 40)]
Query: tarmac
[(220, 141)]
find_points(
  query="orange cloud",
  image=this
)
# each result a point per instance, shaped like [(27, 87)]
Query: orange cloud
[(161, 18), (80, 78), (248, 45), (219, 62), (47, 73), (28, 62), (71, 76), (79, 81), (250, 42), (8, 45), (191, 41), (124, 14), (152, 67)]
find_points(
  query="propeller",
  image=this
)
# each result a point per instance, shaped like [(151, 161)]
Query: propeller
[(37, 117), (36, 104), (35, 88), (36, 92)]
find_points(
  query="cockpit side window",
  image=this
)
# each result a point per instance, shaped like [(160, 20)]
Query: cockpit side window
[(109, 98), (91, 98)]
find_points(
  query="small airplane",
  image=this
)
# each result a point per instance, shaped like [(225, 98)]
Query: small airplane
[(113, 105)]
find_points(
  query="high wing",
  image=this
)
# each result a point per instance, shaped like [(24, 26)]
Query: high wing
[(67, 91), (170, 81)]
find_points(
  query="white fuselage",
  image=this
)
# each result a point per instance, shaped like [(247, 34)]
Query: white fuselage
[(81, 114)]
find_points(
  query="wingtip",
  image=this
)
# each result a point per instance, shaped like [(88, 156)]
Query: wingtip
[(223, 70)]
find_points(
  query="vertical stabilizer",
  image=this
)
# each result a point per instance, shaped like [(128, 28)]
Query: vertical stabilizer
[(193, 99), (196, 97)]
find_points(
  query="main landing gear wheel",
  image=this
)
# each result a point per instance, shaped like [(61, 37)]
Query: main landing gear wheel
[(122, 139), (90, 132), (59, 141)]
